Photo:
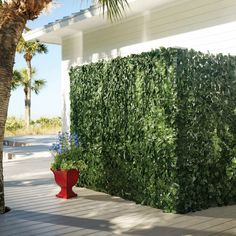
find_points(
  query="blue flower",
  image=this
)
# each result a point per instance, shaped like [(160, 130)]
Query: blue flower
[(65, 142)]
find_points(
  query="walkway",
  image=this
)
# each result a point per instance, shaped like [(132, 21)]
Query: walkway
[(30, 191)]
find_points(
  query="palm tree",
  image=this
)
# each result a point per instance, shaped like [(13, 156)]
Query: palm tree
[(29, 49), (21, 78), (14, 15)]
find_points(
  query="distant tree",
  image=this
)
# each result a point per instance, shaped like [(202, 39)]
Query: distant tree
[(21, 78), (29, 50)]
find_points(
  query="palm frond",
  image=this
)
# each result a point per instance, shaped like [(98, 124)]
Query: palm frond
[(115, 8), (38, 85), (25, 77), (41, 48), (16, 80), (31, 47)]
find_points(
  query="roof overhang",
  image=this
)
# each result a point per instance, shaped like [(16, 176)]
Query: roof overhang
[(89, 20)]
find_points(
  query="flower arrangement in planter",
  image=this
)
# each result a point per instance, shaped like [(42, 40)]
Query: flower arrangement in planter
[(66, 165)]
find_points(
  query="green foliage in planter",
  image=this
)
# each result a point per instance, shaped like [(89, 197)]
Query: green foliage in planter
[(159, 127)]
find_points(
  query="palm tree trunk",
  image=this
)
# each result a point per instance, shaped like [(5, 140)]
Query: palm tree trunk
[(4, 100), (26, 104), (11, 27), (28, 96)]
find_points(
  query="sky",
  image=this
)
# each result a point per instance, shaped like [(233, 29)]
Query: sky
[(47, 103)]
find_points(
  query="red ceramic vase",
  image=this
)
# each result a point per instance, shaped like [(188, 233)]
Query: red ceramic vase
[(66, 179)]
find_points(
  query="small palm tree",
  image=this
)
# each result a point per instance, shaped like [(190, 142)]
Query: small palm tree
[(29, 50), (21, 78)]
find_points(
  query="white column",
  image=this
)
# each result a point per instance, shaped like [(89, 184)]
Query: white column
[(72, 54), (65, 86)]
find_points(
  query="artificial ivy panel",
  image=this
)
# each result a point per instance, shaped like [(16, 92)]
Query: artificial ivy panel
[(159, 128)]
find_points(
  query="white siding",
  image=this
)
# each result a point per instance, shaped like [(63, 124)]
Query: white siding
[(72, 51), (202, 25)]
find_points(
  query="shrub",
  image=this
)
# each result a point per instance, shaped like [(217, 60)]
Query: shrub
[(159, 128), (13, 124), (46, 122)]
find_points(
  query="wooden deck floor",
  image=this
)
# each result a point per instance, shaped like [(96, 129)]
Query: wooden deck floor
[(35, 211), (30, 191)]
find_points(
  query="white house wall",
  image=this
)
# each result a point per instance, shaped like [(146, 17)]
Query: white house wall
[(72, 51), (202, 25)]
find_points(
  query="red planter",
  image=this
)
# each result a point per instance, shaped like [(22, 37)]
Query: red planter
[(66, 179)]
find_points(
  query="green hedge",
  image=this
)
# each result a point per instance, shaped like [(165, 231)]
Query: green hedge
[(159, 128)]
